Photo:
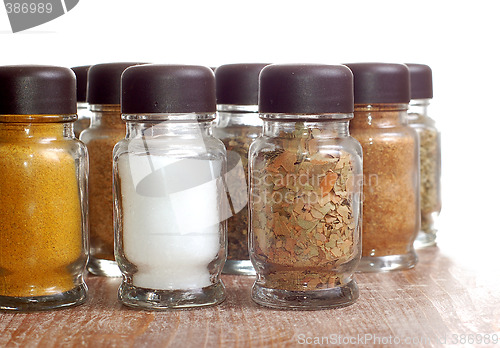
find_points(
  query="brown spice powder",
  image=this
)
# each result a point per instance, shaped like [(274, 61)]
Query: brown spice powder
[(100, 143), (390, 190), (40, 213), (237, 224)]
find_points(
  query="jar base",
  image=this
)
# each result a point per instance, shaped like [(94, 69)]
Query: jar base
[(425, 239), (387, 263), (239, 267), (104, 268), (136, 297), (66, 299), (341, 296)]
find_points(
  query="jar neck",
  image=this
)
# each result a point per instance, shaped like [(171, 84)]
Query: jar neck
[(168, 125), (47, 127), (237, 108), (418, 107), (82, 110), (335, 128), (379, 115), (237, 115), (108, 116), (82, 105)]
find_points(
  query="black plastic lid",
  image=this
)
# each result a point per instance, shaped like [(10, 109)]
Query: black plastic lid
[(420, 80), (81, 82), (37, 90), (238, 84), (155, 88), (306, 89), (380, 83), (104, 82)]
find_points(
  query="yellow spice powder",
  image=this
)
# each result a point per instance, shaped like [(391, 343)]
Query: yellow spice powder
[(40, 213)]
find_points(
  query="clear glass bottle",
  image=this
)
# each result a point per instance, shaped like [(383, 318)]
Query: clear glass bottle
[(170, 230), (238, 124), (83, 112), (106, 129), (390, 166), (305, 208), (43, 191), (430, 153)]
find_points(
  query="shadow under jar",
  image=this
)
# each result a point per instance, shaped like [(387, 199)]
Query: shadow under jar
[(391, 212), (304, 202), (43, 182), (170, 232)]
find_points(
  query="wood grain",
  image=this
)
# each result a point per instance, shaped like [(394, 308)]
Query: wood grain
[(431, 303)]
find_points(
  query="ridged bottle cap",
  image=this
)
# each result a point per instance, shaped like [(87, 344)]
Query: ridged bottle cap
[(37, 90), (103, 85), (238, 84), (81, 73), (155, 88), (382, 83), (420, 81), (306, 89)]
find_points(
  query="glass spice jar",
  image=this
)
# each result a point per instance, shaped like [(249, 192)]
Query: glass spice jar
[(170, 208), (43, 190), (83, 121), (430, 153), (304, 202), (390, 166), (238, 124), (106, 129)]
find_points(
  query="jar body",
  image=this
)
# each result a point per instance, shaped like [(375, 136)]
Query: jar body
[(305, 213), (43, 217), (83, 121), (237, 130), (106, 129), (391, 186), (169, 226), (430, 171)]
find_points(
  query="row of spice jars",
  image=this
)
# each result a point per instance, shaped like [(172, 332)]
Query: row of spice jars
[(381, 101), (305, 182), (143, 165), (238, 125)]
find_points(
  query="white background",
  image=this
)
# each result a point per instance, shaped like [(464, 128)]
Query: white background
[(458, 39)]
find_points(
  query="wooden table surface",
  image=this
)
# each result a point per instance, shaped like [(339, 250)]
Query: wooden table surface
[(439, 303)]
